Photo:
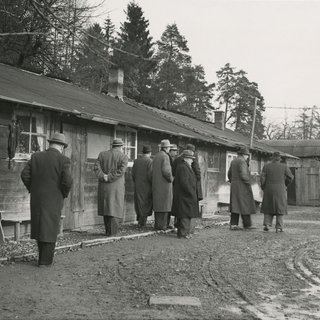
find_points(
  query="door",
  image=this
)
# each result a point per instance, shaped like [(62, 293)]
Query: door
[(74, 204), (291, 189)]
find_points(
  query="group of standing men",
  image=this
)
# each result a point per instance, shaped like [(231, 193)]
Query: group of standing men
[(169, 185), (274, 179)]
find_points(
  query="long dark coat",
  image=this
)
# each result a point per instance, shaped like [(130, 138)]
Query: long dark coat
[(185, 200), (142, 178), (162, 182), (111, 193), (241, 196), (196, 169), (274, 178), (48, 179)]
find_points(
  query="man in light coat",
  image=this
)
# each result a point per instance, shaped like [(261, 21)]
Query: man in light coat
[(241, 195), (48, 179), (142, 179), (110, 169), (162, 186), (275, 177)]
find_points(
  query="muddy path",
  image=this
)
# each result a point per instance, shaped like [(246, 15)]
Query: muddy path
[(235, 274)]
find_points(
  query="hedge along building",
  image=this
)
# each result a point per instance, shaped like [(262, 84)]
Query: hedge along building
[(39, 106)]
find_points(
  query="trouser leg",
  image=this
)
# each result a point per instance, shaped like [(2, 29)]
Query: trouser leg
[(279, 221), (183, 225), (234, 219), (142, 220), (168, 219), (161, 220), (111, 225), (193, 223), (267, 220), (246, 220), (46, 252)]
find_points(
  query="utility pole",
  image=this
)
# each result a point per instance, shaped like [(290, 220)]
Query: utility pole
[(253, 121)]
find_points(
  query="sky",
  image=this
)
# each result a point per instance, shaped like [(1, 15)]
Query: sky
[(276, 42)]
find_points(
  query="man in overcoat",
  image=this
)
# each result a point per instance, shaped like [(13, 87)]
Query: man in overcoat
[(241, 195), (162, 186), (275, 177), (110, 169), (185, 201), (142, 179), (48, 179)]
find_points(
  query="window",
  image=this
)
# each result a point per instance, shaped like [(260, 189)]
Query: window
[(129, 137), (32, 136), (230, 157), (214, 157)]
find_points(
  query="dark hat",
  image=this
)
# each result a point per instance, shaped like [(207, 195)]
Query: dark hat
[(276, 154), (191, 147), (165, 143), (58, 138), (188, 154), (146, 149), (174, 147), (244, 150), (117, 142)]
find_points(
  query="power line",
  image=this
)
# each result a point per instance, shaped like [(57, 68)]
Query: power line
[(294, 108)]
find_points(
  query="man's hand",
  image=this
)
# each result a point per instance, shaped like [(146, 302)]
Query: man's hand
[(105, 177)]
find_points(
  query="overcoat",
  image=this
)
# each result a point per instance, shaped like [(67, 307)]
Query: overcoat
[(142, 178), (185, 200), (111, 193), (241, 196), (48, 179), (162, 182), (274, 178), (196, 169)]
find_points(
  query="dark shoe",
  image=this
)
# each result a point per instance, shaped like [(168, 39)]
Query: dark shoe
[(44, 265), (235, 227), (265, 228), (170, 227)]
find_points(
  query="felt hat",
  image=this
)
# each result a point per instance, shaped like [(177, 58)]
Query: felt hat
[(191, 147), (174, 147), (187, 154), (244, 150), (58, 138), (165, 143), (276, 155), (117, 142), (146, 149)]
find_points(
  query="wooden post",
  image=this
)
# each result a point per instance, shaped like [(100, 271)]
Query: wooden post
[(253, 121)]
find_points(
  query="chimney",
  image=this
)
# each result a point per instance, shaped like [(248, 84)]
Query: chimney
[(219, 119), (115, 85)]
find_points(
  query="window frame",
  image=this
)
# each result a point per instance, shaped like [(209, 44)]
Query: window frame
[(127, 130), (31, 114), (228, 163)]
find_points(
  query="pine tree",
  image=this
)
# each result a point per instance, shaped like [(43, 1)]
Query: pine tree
[(238, 94), (91, 69), (135, 54), (173, 57)]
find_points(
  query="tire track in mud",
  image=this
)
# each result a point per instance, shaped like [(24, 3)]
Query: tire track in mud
[(298, 262), (229, 294)]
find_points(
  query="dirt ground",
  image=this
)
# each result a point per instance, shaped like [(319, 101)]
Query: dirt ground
[(235, 274)]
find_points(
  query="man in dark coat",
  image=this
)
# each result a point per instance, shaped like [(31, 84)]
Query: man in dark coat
[(185, 201), (142, 178), (275, 177), (241, 196), (48, 179), (110, 168), (162, 186)]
